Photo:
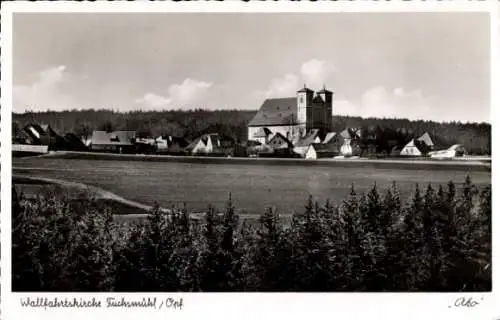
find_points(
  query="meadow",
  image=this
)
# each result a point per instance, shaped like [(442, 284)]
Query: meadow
[(254, 185)]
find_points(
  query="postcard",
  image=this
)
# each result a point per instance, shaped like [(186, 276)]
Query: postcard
[(247, 159)]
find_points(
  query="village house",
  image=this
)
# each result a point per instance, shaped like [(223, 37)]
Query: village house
[(371, 139), (44, 135), (22, 137), (349, 141), (456, 150), (278, 146), (212, 144), (294, 116), (302, 144), (411, 149), (418, 147), (116, 141), (426, 141), (346, 143), (321, 150)]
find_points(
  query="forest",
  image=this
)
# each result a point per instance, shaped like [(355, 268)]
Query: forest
[(475, 137), (439, 241)]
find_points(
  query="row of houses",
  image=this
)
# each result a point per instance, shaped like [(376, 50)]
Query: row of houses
[(128, 142), (348, 143), (36, 138), (313, 144)]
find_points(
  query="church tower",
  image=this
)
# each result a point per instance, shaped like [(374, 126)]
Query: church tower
[(304, 100), (327, 97)]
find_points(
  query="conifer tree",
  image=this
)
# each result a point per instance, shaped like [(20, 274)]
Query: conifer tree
[(353, 241), (412, 236), (390, 218)]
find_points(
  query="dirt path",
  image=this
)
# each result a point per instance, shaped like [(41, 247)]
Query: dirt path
[(95, 191), (100, 193)]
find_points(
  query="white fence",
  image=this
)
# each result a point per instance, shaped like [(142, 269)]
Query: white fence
[(30, 148)]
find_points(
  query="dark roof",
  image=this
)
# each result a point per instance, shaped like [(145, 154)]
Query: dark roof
[(325, 91), (279, 141), (35, 127), (278, 112), (73, 142), (326, 149), (113, 138), (329, 136), (305, 89)]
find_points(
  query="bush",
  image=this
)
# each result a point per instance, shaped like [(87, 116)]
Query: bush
[(440, 240)]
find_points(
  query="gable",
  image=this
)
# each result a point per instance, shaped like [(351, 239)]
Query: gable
[(425, 138), (410, 144), (279, 141), (276, 112)]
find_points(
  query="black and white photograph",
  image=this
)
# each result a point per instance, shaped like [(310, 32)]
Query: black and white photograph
[(335, 152)]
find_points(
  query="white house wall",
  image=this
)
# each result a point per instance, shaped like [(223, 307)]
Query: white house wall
[(443, 154), (311, 153), (410, 151), (302, 150), (202, 148)]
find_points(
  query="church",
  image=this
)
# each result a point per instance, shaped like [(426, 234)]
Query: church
[(293, 117)]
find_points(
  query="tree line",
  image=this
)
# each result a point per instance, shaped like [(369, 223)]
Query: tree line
[(475, 137), (438, 240)]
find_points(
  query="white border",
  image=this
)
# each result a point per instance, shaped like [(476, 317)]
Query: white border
[(251, 306)]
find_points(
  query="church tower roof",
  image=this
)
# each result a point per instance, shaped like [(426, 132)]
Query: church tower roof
[(324, 90), (305, 89)]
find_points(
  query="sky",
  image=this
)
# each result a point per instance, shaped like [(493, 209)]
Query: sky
[(432, 66)]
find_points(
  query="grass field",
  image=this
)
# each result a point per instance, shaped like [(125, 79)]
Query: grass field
[(253, 186)]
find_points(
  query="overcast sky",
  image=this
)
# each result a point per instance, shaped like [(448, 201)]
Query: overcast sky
[(432, 66)]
